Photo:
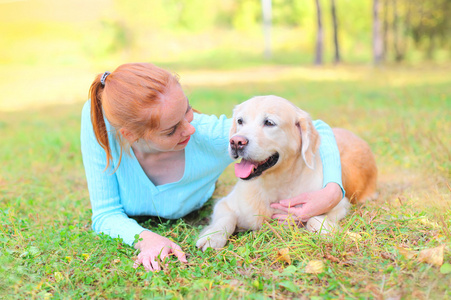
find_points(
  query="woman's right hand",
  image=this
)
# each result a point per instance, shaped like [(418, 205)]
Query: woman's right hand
[(152, 246)]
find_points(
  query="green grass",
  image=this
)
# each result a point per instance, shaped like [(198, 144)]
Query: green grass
[(48, 250)]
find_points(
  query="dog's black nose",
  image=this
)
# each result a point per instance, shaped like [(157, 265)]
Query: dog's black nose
[(238, 142)]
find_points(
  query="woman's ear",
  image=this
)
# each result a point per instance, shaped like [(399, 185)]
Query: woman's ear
[(310, 139), (128, 135)]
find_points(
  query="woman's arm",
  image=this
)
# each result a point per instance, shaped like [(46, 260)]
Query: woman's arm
[(307, 205), (108, 215), (330, 156)]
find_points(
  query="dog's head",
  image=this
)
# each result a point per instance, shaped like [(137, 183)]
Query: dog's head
[(267, 133)]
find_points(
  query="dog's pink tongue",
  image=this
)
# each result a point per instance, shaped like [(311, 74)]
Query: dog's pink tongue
[(244, 168)]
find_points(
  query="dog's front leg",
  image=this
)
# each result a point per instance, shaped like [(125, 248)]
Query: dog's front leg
[(328, 222), (222, 225)]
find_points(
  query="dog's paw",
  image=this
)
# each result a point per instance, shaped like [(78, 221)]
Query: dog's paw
[(320, 224), (211, 239)]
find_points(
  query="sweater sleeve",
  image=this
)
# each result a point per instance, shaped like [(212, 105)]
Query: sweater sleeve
[(330, 156), (108, 215), (215, 133)]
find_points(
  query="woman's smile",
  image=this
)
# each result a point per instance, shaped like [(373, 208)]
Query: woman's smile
[(185, 141)]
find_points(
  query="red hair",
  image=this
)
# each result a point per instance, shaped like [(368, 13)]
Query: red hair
[(129, 100)]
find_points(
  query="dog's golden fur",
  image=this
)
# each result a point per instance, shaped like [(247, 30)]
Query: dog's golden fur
[(358, 166), (269, 125)]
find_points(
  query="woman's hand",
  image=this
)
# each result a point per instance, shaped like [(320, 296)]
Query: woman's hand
[(153, 246), (307, 205)]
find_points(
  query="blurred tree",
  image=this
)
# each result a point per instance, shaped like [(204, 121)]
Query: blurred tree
[(288, 12), (109, 37), (430, 24), (426, 23), (385, 28), (395, 29), (335, 26), (377, 37), (399, 27), (247, 15), (197, 15), (319, 35)]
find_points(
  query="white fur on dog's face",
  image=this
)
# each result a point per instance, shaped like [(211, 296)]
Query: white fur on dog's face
[(271, 125)]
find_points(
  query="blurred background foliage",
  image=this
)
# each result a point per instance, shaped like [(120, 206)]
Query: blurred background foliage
[(68, 32), (53, 42)]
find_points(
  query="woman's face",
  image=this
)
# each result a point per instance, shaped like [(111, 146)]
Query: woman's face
[(175, 127)]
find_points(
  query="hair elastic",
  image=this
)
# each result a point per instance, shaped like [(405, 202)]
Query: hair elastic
[(104, 76)]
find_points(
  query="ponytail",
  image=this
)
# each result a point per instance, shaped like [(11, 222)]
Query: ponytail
[(98, 123)]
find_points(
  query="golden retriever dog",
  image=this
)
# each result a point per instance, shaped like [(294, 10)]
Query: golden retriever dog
[(279, 147)]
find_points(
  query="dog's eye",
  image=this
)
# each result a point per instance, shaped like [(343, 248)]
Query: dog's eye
[(269, 123), (239, 121)]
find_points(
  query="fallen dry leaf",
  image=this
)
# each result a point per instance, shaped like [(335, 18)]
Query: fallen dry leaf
[(407, 253), (331, 258), (387, 255), (283, 255), (433, 256), (427, 222), (354, 236), (314, 267)]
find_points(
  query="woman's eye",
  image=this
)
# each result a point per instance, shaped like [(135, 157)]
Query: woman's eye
[(269, 123), (240, 121), (172, 131)]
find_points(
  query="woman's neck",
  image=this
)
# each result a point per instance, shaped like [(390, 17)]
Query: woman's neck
[(162, 167)]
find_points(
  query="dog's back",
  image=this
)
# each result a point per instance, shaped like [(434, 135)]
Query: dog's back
[(358, 165)]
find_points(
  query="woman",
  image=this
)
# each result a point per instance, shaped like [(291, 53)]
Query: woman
[(173, 157)]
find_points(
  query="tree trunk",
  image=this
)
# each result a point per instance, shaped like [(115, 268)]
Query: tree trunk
[(430, 49), (385, 29), (406, 31), (377, 37), (335, 24), (319, 36), (267, 15), (398, 56)]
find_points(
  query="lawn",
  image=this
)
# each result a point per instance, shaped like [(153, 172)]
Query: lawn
[(397, 246)]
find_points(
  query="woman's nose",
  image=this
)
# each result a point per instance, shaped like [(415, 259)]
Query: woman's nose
[(189, 129)]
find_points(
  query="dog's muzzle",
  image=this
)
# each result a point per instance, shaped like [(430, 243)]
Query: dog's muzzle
[(237, 145)]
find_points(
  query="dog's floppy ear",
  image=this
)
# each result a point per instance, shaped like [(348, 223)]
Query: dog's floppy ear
[(310, 139)]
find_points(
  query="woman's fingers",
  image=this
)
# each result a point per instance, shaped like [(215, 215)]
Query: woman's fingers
[(138, 261), (155, 264), (280, 217), (178, 252), (280, 207), (290, 202), (285, 218), (152, 256), (148, 261), (292, 210)]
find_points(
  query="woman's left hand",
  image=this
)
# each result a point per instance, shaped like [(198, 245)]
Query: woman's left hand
[(154, 248), (307, 205)]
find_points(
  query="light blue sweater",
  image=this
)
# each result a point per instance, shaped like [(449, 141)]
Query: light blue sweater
[(129, 192)]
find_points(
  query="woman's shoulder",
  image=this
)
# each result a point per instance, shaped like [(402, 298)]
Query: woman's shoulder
[(86, 112)]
